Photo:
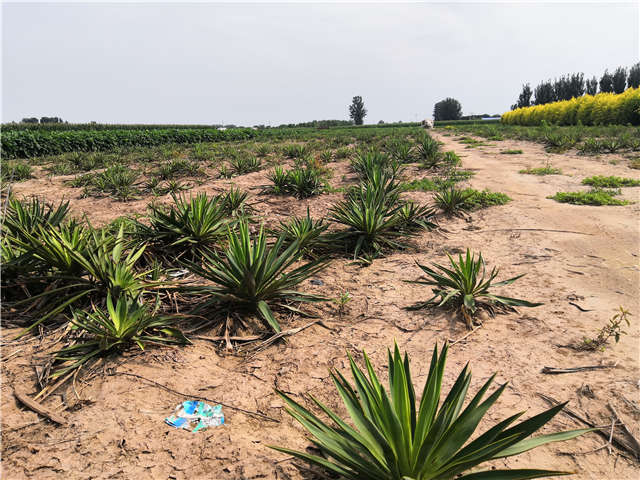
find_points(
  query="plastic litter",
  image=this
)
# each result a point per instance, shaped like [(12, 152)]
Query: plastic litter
[(193, 415), (178, 273)]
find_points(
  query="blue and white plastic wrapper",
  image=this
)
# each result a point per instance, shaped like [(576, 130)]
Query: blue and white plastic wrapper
[(193, 415)]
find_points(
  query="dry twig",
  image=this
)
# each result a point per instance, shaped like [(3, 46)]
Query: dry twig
[(39, 408), (616, 440), (556, 371), (453, 342)]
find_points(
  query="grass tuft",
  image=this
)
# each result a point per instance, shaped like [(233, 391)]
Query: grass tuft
[(546, 170), (15, 171), (482, 199), (599, 181), (595, 197)]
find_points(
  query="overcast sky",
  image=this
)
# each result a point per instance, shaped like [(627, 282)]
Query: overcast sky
[(278, 63)]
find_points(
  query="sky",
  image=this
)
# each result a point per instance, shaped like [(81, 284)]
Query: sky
[(250, 64)]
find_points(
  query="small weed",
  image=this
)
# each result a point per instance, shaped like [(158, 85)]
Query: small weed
[(341, 301), (600, 181), (511, 152), (546, 170), (452, 176), (595, 197), (472, 142), (438, 183), (613, 329), (476, 199)]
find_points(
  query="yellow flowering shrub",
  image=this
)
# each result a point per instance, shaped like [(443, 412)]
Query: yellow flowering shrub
[(600, 109)]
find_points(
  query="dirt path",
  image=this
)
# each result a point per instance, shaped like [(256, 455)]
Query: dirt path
[(612, 243), (117, 430)]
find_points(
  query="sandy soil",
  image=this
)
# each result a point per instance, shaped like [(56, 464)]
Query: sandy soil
[(115, 422)]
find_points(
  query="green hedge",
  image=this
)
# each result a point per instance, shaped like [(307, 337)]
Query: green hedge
[(48, 127), (601, 109), (28, 143)]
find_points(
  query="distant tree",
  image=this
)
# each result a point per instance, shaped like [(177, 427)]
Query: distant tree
[(447, 109), (606, 82), (524, 100), (576, 85), (633, 80), (357, 112), (591, 86), (568, 86), (619, 79), (29, 120), (561, 89), (51, 120), (544, 93), (381, 122)]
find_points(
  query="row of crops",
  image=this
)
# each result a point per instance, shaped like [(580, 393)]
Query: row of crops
[(60, 126), (600, 109), (27, 143)]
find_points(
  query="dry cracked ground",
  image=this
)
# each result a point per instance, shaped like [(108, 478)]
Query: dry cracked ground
[(581, 261)]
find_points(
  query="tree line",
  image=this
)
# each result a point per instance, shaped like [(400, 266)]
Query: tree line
[(42, 120), (575, 85)]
